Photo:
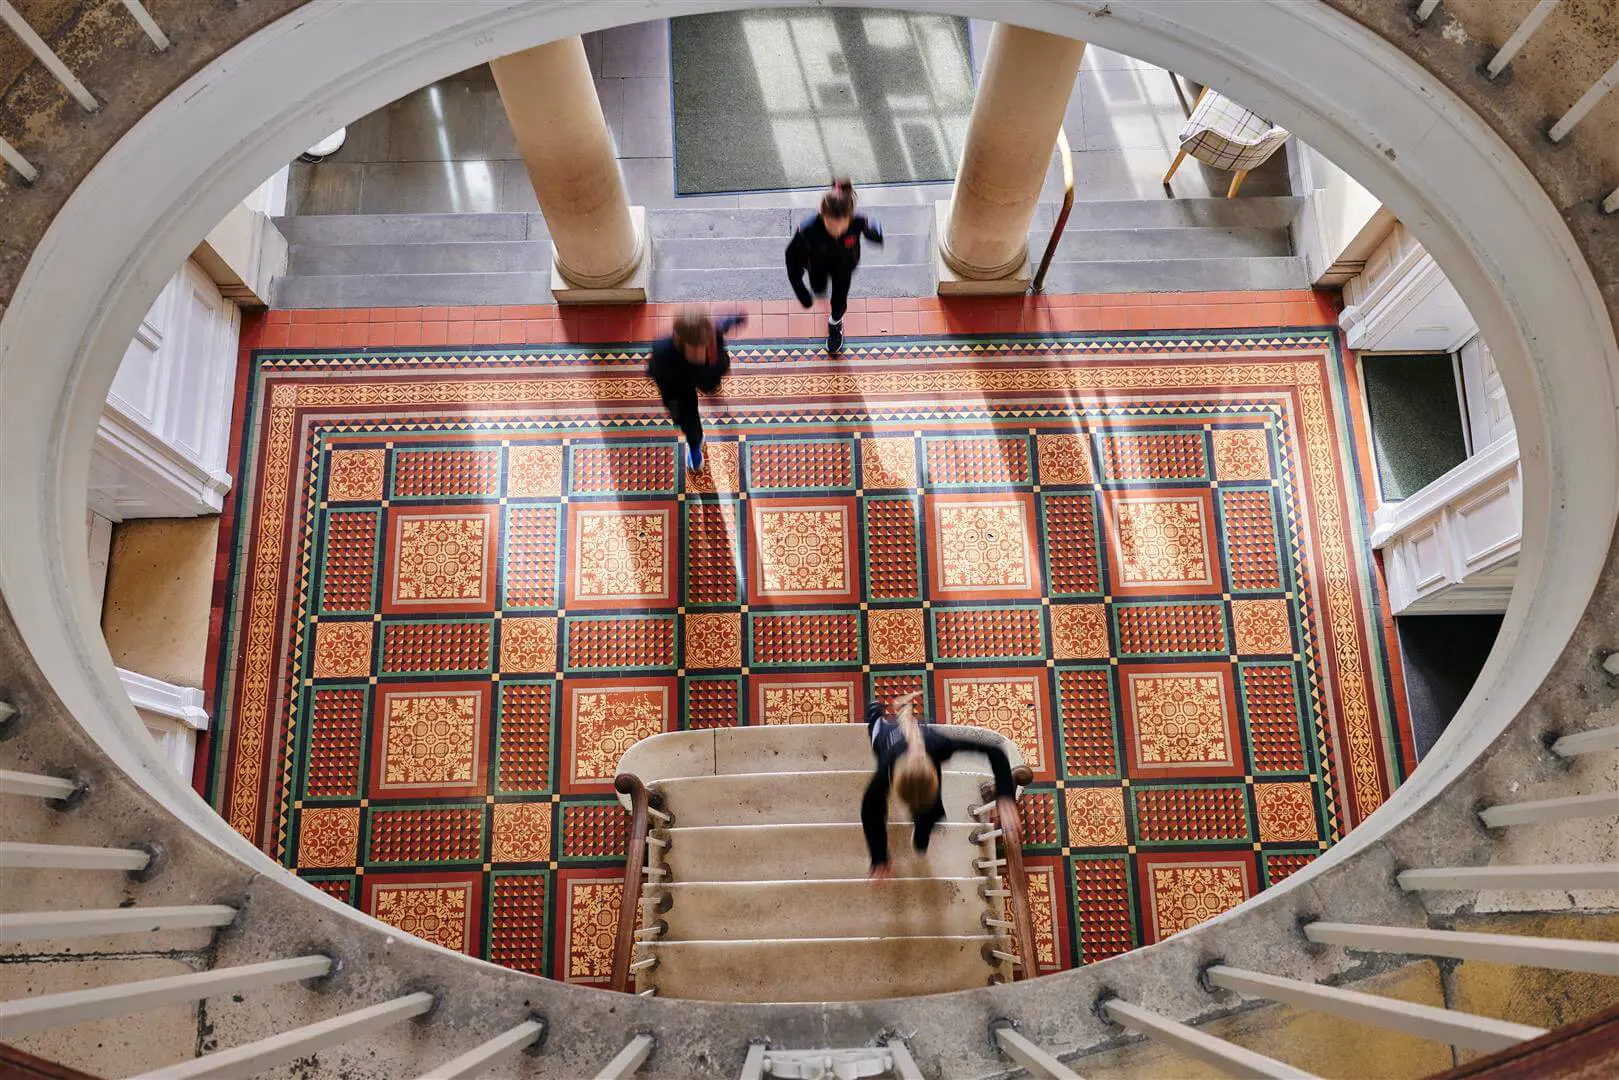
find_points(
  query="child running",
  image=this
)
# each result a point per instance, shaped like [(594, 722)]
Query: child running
[(909, 755), (827, 245), (690, 361)]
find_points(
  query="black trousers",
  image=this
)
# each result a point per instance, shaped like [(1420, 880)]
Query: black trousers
[(684, 412), (819, 277)]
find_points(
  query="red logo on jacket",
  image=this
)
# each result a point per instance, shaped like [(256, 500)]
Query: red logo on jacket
[(848, 241)]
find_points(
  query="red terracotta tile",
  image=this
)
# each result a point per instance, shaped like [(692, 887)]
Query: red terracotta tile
[(776, 325), (537, 331), (486, 312), (407, 334), (456, 333), (273, 335), (433, 314), (879, 303), (380, 333), (278, 318), (512, 331), (903, 303), (486, 332), (931, 322), (434, 333), (330, 315), (906, 323), (301, 336), (329, 336), (804, 324), (459, 314), (779, 307)]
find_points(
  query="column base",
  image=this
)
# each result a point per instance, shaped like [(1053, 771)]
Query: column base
[(952, 283), (632, 290)]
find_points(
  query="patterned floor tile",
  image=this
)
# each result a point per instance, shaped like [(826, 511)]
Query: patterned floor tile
[(621, 555), (806, 699), (1179, 721), (440, 560), (1161, 542), (982, 547), (802, 551), (440, 473), (800, 465), (429, 740), (441, 907), (983, 461), (1127, 553), (1182, 889)]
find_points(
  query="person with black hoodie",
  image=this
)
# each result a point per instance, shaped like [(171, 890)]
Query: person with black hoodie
[(690, 361), (827, 248), (909, 756)]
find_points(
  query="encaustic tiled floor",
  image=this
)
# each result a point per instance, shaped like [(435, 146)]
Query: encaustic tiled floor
[(458, 580)]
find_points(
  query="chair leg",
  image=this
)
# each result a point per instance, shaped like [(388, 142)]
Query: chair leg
[(1180, 157), (1236, 182)]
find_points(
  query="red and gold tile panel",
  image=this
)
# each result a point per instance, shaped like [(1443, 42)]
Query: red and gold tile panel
[(1107, 549)]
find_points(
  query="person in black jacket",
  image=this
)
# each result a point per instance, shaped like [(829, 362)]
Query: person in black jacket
[(690, 361), (909, 755), (827, 247)]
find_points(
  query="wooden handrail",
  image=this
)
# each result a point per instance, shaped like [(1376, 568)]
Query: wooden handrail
[(1039, 282), (1017, 878), (629, 908)]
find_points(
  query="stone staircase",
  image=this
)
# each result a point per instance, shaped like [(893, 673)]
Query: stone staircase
[(756, 886), (412, 260)]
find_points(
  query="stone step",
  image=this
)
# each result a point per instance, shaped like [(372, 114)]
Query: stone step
[(779, 748), (903, 907), (701, 253), (719, 853), (485, 257), (410, 228), (1177, 275), (1264, 212), (1120, 245), (788, 798), (411, 290), (770, 282), (810, 970)]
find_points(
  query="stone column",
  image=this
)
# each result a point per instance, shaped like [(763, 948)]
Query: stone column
[(598, 240), (1023, 93)]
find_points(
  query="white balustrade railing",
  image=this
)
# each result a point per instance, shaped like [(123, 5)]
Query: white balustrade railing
[(257, 1057), (1509, 49), (45, 55), (1594, 957), (1461, 1029), (46, 1011), (1225, 1056), (1551, 876), (508, 1044), (1031, 1056)]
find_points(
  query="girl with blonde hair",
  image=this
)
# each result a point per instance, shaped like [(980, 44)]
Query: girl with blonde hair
[(909, 755)]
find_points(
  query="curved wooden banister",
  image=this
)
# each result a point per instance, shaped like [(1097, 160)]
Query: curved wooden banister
[(629, 908), (1017, 879)]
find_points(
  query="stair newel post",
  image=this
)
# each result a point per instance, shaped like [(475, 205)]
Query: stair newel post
[(629, 910), (1017, 879)]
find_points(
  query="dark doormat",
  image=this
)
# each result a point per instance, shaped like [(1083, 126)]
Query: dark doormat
[(766, 100), (1416, 414)]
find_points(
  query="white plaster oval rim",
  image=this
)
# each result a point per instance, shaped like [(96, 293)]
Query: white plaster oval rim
[(1439, 168)]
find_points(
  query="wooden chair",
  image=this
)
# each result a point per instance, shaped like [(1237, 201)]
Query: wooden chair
[(1225, 135)]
